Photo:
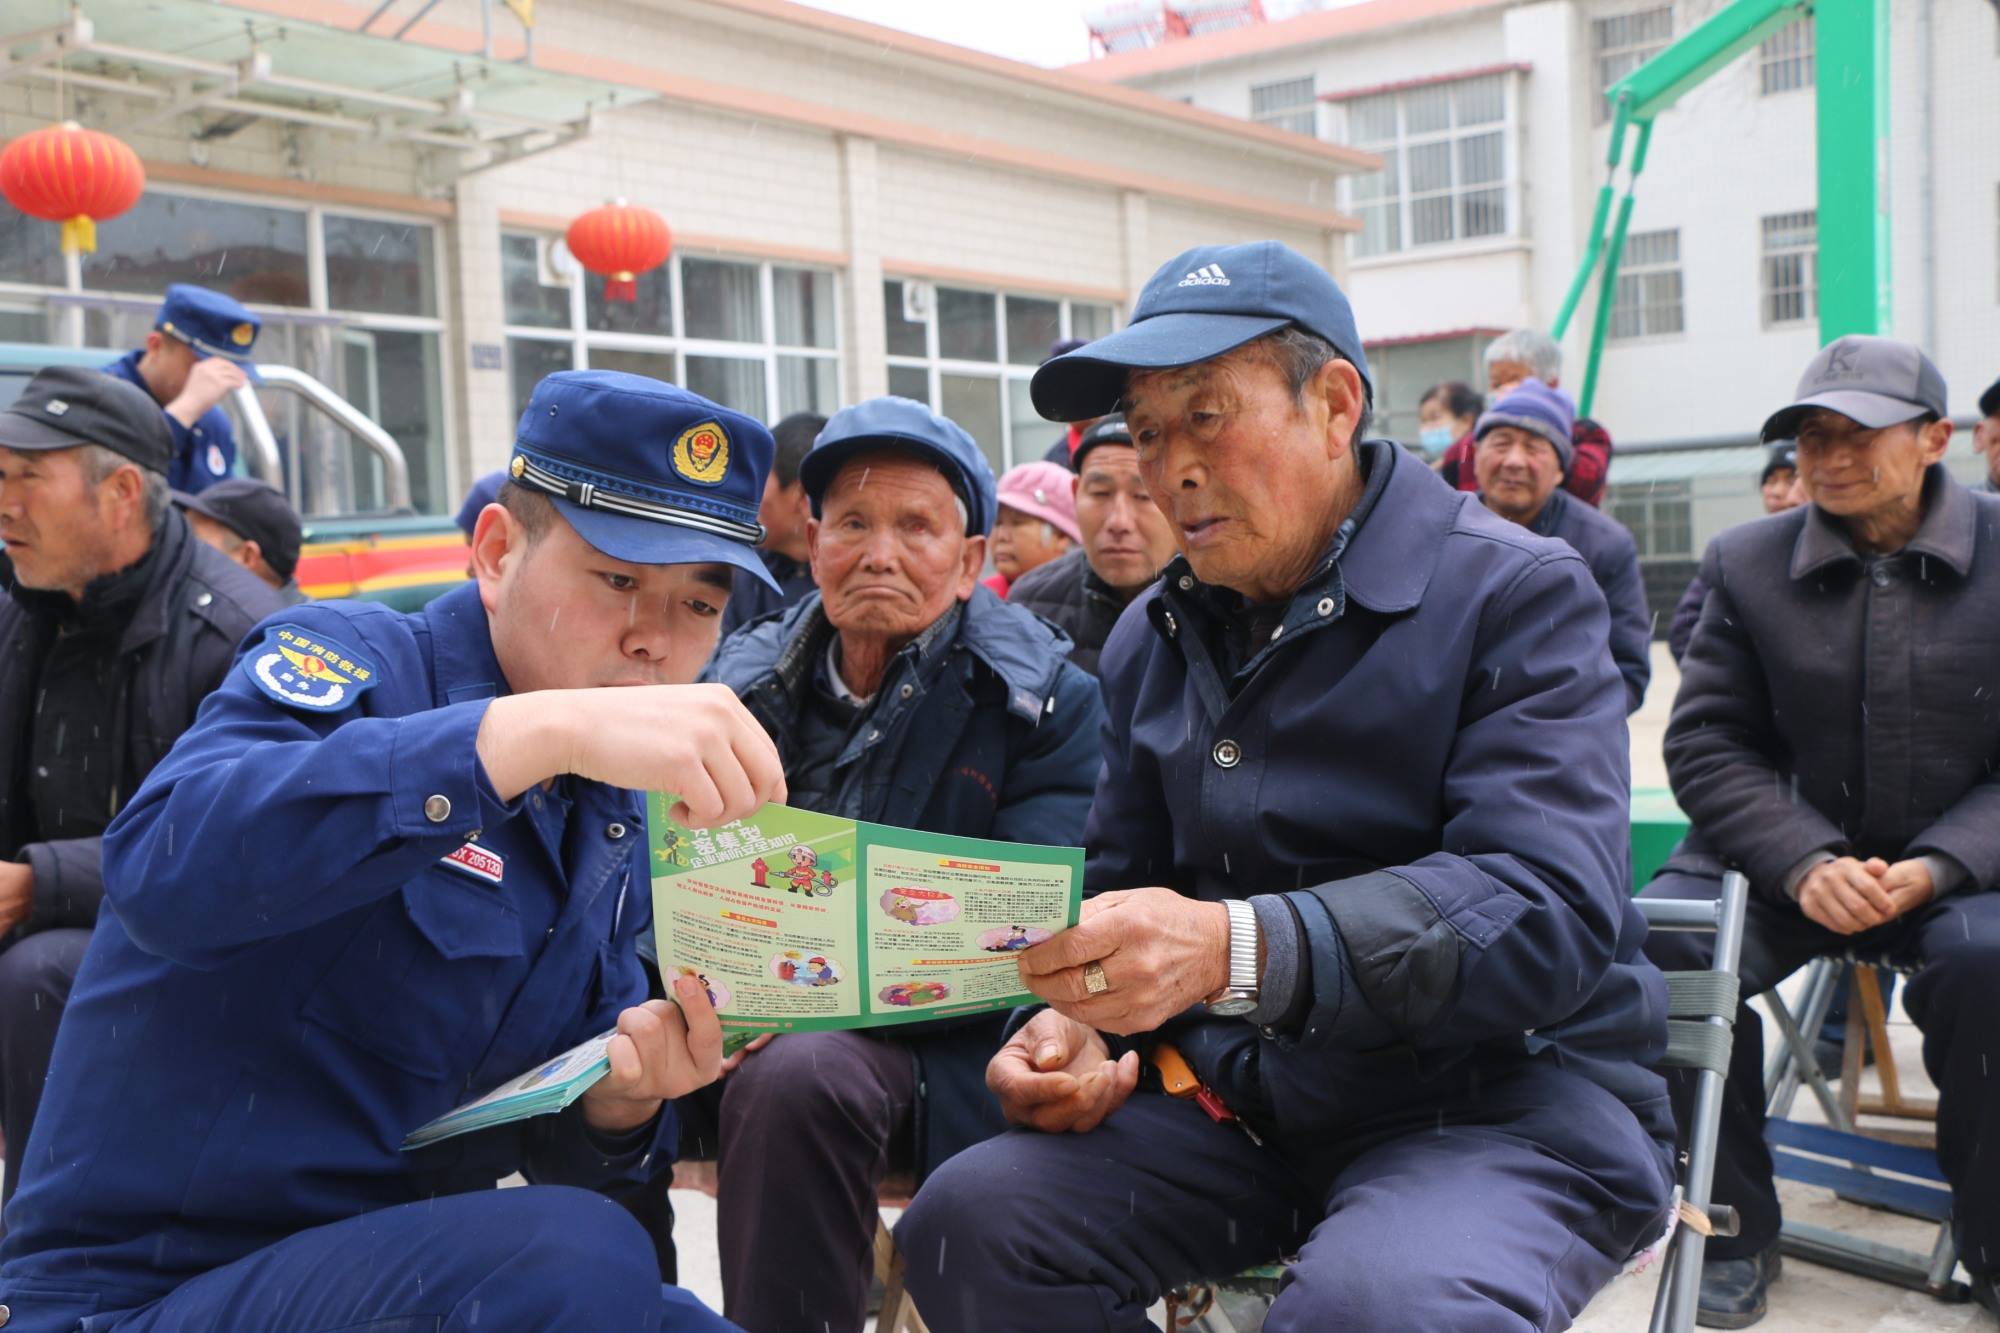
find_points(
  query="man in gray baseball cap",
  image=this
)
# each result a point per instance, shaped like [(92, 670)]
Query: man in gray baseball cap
[(1835, 735)]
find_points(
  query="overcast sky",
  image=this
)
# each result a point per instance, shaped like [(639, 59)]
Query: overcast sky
[(1041, 32)]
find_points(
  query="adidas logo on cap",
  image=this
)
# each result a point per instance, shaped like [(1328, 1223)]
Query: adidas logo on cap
[(1208, 275)]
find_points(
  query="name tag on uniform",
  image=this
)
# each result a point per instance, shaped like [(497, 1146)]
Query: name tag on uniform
[(477, 861)]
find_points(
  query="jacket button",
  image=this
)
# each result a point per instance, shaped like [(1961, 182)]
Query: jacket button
[(1228, 754), (907, 691), (1325, 606), (1187, 583), (1881, 576), (204, 599), (615, 832), (874, 736), (437, 809), (5, 1315)]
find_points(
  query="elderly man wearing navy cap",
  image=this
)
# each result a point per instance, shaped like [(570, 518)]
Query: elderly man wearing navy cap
[(252, 523), (197, 354), (397, 860), (904, 693), (1360, 980), (1837, 736)]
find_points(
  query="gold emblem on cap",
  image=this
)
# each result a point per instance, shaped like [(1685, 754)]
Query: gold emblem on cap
[(701, 454), (517, 467), (242, 335)]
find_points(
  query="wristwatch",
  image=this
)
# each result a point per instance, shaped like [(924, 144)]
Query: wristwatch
[(1239, 996)]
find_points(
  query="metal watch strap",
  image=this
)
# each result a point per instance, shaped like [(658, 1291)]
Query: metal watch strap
[(1243, 931)]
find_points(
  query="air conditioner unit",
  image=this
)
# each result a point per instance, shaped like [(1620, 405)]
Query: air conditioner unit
[(919, 300), (558, 266)]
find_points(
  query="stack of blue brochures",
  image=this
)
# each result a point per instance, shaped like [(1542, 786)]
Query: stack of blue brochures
[(548, 1087)]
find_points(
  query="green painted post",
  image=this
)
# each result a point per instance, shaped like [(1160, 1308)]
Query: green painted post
[(1852, 56)]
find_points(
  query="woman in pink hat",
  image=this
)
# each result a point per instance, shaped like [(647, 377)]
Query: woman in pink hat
[(1037, 521)]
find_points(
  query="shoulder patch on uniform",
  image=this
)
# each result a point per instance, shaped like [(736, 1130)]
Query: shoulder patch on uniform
[(304, 669)]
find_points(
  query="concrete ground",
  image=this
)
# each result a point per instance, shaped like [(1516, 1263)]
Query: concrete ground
[(1806, 1299)]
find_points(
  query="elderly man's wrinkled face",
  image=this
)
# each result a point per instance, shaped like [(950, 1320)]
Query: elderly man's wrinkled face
[(1517, 470), (1253, 480), (1125, 536), (1778, 489), (889, 550), (59, 527), (1853, 472), (566, 616)]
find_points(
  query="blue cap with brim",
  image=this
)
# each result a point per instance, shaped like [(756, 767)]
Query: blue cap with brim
[(1200, 304), (211, 324), (905, 424), (645, 471)]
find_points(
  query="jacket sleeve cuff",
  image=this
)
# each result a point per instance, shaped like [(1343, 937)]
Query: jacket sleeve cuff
[(438, 785), (1338, 1015), (1280, 986), (572, 1153), (1801, 868), (1947, 875), (45, 892)]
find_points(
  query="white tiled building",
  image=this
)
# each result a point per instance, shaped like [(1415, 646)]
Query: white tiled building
[(855, 210), (1488, 113)]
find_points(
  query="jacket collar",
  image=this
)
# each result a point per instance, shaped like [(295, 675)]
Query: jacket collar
[(1551, 517), (1947, 532), (462, 662)]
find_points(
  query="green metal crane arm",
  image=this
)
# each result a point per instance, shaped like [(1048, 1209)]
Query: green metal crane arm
[(1635, 100)]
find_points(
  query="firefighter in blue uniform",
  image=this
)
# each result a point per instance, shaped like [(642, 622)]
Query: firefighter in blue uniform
[(397, 861), (197, 354)]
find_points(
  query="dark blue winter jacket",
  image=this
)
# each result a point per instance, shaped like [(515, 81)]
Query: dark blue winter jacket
[(985, 730), (1613, 558), (1427, 763)]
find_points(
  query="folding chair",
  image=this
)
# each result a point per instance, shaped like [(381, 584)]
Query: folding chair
[(1701, 1017), (1860, 1167)]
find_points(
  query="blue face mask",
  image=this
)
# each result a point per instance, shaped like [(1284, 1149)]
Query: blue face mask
[(1435, 437)]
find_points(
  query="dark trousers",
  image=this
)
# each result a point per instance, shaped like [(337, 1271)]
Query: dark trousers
[(35, 976), (803, 1134), (1954, 1000), (1505, 1205), (544, 1257)]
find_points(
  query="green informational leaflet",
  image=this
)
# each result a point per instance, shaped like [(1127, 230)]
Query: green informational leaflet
[(801, 922)]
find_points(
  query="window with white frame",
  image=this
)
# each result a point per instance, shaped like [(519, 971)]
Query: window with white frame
[(969, 354), (755, 336), (1660, 516), (1290, 105), (1791, 268), (1446, 164), (1621, 43), (1648, 300), (1785, 59), (350, 297)]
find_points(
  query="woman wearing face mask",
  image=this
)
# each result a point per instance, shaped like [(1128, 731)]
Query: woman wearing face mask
[(1445, 416)]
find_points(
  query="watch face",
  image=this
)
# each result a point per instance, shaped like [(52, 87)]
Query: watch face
[(1232, 1006)]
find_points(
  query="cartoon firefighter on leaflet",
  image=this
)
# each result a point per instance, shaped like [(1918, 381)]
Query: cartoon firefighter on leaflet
[(805, 876)]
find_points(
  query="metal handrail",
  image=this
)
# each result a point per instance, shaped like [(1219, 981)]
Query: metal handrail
[(262, 456)]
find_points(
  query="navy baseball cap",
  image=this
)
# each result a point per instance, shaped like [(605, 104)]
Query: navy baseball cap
[(645, 471), (903, 423), (211, 323), (1874, 382), (1207, 301), (255, 511)]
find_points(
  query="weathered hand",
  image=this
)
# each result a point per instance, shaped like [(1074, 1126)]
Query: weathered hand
[(662, 1051), (1055, 1075), (1161, 951), (213, 379), (17, 893), (1846, 895), (1909, 885)]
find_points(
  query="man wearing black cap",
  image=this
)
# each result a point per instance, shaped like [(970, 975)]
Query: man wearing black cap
[(1360, 980), (397, 861), (1778, 488), (904, 693), (1837, 735), (1126, 542), (116, 623), (252, 523), (1986, 437), (197, 354)]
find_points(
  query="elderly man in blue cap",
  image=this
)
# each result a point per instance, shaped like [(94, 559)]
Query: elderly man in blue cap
[(197, 354), (397, 860), (1359, 980), (904, 693)]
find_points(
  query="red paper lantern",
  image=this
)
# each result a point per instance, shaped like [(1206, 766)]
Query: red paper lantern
[(68, 174), (621, 242)]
